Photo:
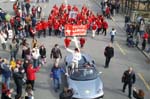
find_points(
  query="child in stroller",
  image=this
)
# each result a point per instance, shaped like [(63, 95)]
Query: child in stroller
[(130, 41)]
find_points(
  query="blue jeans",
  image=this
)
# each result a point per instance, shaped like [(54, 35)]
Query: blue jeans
[(57, 82), (6, 81), (35, 63), (13, 54)]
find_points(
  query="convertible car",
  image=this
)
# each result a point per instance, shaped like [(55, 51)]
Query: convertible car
[(85, 80)]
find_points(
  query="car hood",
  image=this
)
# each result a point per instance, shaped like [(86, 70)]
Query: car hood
[(86, 89)]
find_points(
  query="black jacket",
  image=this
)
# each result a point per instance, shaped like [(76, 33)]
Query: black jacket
[(56, 53), (129, 78), (18, 78), (109, 51), (43, 52)]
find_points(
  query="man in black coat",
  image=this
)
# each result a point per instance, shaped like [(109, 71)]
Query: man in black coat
[(128, 78), (109, 53), (56, 54), (18, 79)]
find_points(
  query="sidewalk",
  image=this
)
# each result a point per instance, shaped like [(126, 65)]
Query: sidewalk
[(119, 19)]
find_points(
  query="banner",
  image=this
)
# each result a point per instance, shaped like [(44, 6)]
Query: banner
[(75, 30)]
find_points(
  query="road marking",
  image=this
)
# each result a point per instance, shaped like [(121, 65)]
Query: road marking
[(122, 51), (144, 81), (45, 5)]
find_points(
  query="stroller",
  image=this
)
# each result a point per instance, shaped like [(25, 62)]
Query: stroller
[(130, 41)]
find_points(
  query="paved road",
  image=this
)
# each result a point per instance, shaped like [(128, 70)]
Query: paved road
[(124, 57)]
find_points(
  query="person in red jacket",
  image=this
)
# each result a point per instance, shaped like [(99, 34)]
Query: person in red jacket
[(67, 42), (50, 26), (56, 27), (31, 74), (82, 42), (99, 26), (145, 36), (39, 28), (105, 27), (107, 12), (44, 27), (94, 27)]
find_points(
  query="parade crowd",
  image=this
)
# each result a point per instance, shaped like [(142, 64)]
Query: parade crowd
[(29, 23)]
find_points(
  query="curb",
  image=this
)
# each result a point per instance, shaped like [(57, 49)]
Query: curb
[(144, 53)]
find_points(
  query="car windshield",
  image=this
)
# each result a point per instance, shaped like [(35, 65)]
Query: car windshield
[(82, 61), (84, 74)]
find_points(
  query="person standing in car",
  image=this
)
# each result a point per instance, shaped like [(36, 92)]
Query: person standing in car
[(109, 53), (129, 79), (56, 54)]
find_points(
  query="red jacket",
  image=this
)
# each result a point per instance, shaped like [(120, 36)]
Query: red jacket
[(145, 36), (67, 42), (105, 25), (31, 72), (50, 23), (44, 24), (56, 26), (107, 10), (99, 24), (39, 26), (94, 26), (82, 41)]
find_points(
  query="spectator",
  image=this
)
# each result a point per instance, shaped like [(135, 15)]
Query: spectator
[(128, 78), (18, 79), (39, 11), (35, 56), (142, 27), (27, 6), (56, 54), (6, 93), (107, 12), (6, 73), (29, 92), (145, 39), (13, 49), (66, 94), (127, 20), (56, 73), (12, 63), (138, 93), (3, 40), (34, 11), (31, 77), (43, 54), (34, 43)]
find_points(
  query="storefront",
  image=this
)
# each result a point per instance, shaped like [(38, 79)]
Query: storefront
[(136, 8)]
